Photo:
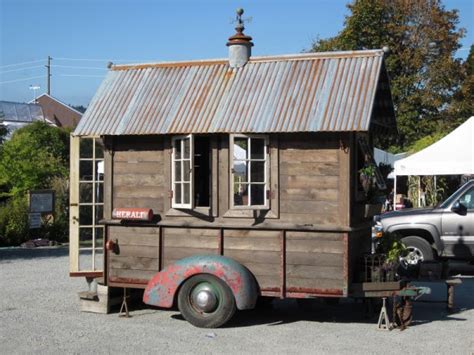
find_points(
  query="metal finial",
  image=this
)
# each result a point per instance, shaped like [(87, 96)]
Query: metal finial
[(240, 22)]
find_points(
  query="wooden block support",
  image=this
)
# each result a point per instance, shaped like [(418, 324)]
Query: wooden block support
[(99, 302)]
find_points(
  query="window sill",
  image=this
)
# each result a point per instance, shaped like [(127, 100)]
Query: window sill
[(184, 212), (250, 213)]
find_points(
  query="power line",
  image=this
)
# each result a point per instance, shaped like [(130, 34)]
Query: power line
[(25, 79), (16, 64), (19, 69), (82, 75), (76, 67), (103, 60)]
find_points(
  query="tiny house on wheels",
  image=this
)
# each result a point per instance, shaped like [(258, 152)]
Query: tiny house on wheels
[(210, 183)]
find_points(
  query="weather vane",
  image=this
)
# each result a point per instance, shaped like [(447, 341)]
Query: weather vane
[(240, 21)]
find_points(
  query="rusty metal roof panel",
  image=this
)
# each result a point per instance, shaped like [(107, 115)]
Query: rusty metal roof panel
[(298, 93)]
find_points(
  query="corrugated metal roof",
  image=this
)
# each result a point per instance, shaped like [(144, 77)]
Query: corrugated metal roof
[(20, 112), (297, 93)]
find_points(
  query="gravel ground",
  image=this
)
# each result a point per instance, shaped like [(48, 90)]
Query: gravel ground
[(39, 313)]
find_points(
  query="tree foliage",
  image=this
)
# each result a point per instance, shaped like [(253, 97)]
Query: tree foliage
[(422, 37), (33, 156), (462, 105), (3, 133), (79, 108)]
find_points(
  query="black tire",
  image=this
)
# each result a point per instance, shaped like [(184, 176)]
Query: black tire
[(223, 307), (420, 249)]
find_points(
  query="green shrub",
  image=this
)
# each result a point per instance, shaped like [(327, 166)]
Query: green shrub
[(14, 228)]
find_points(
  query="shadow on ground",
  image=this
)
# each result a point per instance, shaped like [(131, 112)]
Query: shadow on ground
[(282, 312), (9, 254)]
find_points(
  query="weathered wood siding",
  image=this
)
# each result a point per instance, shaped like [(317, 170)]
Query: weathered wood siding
[(310, 186), (311, 172), (259, 251), (138, 173), (315, 261), (138, 258), (180, 243)]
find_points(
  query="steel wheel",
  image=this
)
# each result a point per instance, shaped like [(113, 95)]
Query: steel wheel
[(414, 256), (206, 301), (419, 250)]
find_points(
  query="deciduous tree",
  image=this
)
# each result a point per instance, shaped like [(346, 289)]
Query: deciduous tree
[(422, 37), (33, 156)]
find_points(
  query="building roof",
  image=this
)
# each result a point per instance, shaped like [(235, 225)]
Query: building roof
[(58, 112), (20, 112), (333, 91)]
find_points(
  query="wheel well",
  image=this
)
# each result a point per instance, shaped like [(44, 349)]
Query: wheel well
[(418, 233)]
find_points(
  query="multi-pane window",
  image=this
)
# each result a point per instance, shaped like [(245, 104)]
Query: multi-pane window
[(249, 171), (182, 173), (191, 171), (91, 204)]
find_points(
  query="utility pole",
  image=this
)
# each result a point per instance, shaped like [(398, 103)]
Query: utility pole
[(49, 74)]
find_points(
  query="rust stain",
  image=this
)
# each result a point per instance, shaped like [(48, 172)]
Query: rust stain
[(297, 93)]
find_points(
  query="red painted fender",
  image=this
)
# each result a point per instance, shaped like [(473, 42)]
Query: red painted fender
[(161, 289)]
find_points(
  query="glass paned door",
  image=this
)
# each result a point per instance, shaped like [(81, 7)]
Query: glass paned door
[(86, 205)]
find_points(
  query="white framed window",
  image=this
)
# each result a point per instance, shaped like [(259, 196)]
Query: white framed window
[(249, 171), (182, 164)]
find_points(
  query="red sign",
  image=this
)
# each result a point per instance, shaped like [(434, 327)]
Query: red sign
[(133, 214)]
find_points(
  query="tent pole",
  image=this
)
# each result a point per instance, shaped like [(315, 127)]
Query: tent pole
[(395, 191), (419, 188), (435, 191)]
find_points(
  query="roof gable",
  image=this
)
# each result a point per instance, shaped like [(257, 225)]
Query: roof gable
[(299, 93)]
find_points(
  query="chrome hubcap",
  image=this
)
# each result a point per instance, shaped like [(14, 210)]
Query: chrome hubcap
[(414, 256), (204, 298)]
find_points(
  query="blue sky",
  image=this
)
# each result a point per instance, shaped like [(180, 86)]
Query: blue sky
[(98, 31)]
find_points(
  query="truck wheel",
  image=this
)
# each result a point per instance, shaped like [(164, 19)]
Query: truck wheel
[(418, 250), (206, 301)]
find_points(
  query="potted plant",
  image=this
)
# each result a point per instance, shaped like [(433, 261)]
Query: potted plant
[(393, 249)]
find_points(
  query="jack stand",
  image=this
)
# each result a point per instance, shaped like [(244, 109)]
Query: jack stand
[(124, 305), (384, 323)]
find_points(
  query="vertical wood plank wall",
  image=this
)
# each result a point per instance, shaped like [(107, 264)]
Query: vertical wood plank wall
[(313, 186)]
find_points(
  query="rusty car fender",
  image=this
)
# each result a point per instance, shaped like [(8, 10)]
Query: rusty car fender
[(161, 289)]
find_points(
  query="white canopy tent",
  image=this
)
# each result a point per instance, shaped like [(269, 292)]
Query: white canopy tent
[(451, 155)]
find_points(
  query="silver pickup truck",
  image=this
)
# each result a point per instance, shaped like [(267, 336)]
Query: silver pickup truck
[(445, 231)]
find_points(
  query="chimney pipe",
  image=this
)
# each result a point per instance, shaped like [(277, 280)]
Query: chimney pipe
[(239, 44)]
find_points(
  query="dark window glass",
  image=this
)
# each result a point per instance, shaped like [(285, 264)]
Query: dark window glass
[(99, 149), (85, 148), (258, 194), (99, 197), (85, 237), (99, 213), (85, 215), (258, 148), (85, 192), (177, 192), (99, 237), (85, 170), (258, 171)]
